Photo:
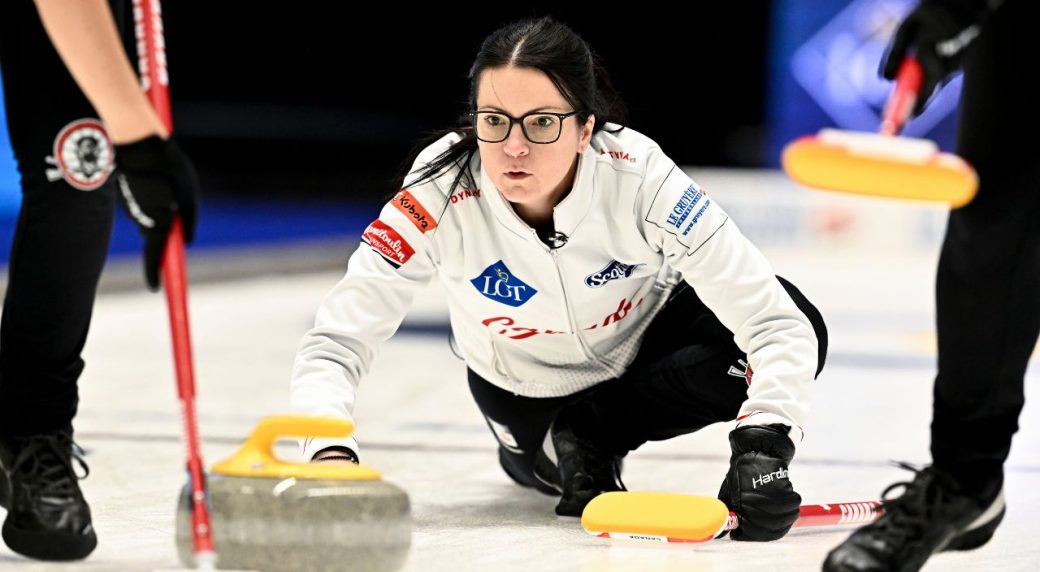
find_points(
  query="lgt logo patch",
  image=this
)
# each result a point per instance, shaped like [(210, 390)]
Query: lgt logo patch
[(498, 283)]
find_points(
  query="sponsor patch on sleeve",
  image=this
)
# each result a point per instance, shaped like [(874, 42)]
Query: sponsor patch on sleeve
[(405, 202), (388, 243), (684, 210), (688, 209)]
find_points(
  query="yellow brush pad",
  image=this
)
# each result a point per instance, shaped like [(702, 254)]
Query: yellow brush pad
[(664, 517), (942, 177)]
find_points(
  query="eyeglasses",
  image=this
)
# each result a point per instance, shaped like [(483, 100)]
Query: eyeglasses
[(541, 127)]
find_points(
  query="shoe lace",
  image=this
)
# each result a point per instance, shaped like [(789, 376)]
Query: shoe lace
[(48, 462), (907, 516)]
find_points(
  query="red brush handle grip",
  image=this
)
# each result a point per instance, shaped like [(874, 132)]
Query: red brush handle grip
[(155, 81), (908, 88), (827, 514)]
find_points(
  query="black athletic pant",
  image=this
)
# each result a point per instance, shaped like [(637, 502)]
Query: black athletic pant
[(687, 375), (63, 228), (988, 282)]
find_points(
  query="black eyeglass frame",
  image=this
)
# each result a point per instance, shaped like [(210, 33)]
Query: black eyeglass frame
[(520, 121)]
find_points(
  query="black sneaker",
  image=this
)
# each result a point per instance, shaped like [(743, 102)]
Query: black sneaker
[(578, 469), (47, 517), (934, 514)]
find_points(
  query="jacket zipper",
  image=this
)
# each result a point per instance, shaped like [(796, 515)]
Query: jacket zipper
[(570, 314)]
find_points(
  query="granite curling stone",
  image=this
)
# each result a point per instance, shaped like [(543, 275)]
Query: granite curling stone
[(270, 515)]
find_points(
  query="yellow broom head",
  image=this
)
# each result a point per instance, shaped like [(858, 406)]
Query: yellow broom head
[(880, 165), (662, 517)]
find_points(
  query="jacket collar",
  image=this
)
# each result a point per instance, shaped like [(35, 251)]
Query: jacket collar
[(567, 215)]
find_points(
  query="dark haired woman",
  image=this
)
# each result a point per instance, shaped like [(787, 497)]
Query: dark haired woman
[(599, 297)]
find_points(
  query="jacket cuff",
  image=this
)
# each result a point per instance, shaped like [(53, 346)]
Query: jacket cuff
[(311, 445)]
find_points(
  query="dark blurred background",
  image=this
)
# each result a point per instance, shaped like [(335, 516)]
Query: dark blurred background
[(299, 115), (327, 98)]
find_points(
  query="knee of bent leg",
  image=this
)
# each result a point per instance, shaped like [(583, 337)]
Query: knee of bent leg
[(815, 318)]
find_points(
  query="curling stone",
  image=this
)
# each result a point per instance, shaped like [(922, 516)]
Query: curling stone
[(271, 515)]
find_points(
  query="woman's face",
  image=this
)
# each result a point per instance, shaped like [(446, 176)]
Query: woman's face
[(531, 175)]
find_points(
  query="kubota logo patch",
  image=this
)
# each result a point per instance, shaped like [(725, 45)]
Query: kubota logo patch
[(411, 208)]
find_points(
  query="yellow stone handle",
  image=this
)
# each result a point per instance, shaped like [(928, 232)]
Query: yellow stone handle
[(255, 458)]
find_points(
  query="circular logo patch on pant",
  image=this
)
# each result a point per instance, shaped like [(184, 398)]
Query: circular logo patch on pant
[(83, 154)]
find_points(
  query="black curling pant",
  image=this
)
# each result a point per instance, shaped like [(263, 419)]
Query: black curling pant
[(988, 282), (63, 230), (687, 375)]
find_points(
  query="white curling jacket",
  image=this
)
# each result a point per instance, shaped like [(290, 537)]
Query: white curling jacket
[(542, 322)]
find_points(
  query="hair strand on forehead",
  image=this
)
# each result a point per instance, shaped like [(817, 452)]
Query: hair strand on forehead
[(516, 52)]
